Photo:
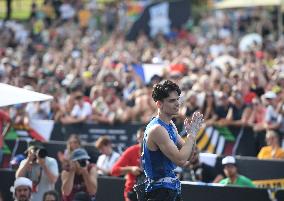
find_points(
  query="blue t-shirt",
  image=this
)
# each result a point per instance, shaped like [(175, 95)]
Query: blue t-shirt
[(159, 170)]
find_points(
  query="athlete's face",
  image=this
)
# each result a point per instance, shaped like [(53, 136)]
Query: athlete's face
[(170, 105)]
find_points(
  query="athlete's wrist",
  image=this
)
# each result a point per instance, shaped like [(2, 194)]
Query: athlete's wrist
[(190, 137)]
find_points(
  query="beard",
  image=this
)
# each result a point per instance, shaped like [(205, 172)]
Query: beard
[(23, 198)]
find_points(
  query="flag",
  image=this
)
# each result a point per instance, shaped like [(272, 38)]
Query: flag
[(147, 71), (37, 130), (160, 17), (210, 140), (134, 9), (41, 129)]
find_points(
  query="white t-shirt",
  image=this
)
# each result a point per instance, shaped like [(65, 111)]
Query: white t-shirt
[(84, 111), (38, 175), (67, 11), (44, 112), (106, 162), (271, 115)]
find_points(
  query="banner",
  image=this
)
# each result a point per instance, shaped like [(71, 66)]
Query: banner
[(240, 141), (121, 135), (270, 183), (210, 140)]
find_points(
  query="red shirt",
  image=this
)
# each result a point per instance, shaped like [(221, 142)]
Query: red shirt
[(248, 97), (4, 117), (130, 157)]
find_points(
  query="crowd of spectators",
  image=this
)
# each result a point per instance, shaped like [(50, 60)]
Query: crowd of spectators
[(78, 53), (90, 69)]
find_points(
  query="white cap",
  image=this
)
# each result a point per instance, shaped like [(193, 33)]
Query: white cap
[(270, 95), (23, 181), (228, 160)]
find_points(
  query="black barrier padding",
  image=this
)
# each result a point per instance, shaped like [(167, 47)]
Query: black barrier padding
[(7, 178), (209, 193), (110, 189), (257, 169), (58, 132), (279, 195), (245, 144), (122, 135)]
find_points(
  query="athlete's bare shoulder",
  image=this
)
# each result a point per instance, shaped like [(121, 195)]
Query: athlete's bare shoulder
[(155, 134), (156, 129)]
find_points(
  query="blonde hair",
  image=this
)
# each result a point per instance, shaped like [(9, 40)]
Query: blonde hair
[(271, 133), (76, 137)]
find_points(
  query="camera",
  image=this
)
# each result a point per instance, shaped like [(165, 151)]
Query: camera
[(82, 163), (41, 153)]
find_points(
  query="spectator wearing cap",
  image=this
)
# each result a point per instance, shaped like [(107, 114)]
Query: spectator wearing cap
[(233, 177), (22, 189), (273, 149), (81, 176), (40, 168), (108, 156), (272, 117)]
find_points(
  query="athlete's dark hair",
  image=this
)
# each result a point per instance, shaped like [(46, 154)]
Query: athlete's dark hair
[(163, 89)]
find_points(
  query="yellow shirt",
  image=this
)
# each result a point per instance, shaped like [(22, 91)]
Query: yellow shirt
[(267, 153), (49, 11), (84, 17)]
